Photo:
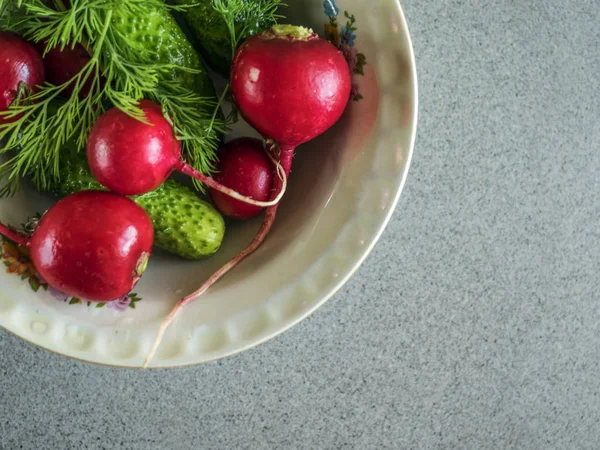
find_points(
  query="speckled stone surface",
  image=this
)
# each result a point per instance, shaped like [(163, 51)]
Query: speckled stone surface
[(475, 323)]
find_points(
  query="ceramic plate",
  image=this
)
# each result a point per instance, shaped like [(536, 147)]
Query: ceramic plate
[(343, 189)]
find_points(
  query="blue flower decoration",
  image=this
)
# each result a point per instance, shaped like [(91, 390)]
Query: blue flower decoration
[(348, 36), (330, 7)]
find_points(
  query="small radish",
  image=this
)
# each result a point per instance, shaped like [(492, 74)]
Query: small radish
[(19, 63), (132, 157), (291, 86), (244, 167), (62, 65), (91, 245)]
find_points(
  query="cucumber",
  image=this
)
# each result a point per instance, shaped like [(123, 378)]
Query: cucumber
[(184, 224), (157, 31), (211, 35), (209, 32)]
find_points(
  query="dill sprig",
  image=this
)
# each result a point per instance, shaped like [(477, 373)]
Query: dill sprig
[(122, 72), (187, 119), (42, 124), (241, 16)]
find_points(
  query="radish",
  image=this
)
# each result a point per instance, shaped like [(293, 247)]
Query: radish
[(244, 167), (291, 86), (92, 245), (19, 63), (132, 157), (62, 65)]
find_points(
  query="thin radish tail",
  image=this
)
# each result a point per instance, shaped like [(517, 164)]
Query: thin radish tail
[(18, 238), (286, 163), (211, 183)]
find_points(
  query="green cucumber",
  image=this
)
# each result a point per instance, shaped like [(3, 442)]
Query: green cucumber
[(157, 31), (211, 35), (184, 224)]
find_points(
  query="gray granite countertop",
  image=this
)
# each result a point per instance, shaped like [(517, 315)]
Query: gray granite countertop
[(474, 324)]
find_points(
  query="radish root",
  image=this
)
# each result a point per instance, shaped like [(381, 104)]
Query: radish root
[(283, 168), (211, 183)]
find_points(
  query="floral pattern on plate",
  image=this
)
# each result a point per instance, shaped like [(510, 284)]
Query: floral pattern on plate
[(344, 38)]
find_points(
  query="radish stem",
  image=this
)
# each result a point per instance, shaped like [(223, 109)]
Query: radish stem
[(14, 236), (211, 183)]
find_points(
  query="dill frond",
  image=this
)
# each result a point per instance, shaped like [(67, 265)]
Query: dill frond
[(121, 73)]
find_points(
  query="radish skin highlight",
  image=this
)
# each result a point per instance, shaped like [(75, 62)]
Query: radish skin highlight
[(291, 86)]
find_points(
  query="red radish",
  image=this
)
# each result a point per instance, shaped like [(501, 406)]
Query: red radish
[(19, 63), (132, 157), (291, 86), (62, 65), (92, 245), (243, 166)]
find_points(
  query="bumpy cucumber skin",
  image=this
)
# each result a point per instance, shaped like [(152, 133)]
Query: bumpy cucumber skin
[(184, 224), (210, 33), (158, 31)]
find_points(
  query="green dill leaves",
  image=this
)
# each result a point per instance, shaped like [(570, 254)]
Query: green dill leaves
[(125, 66), (241, 16)]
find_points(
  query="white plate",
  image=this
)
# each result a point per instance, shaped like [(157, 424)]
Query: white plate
[(343, 190)]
